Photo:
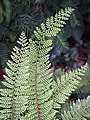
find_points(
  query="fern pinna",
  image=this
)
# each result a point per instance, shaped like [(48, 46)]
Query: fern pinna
[(31, 93)]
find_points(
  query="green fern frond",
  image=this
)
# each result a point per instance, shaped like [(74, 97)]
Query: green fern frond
[(78, 111), (39, 105), (13, 100), (66, 85), (86, 78), (41, 80), (84, 86)]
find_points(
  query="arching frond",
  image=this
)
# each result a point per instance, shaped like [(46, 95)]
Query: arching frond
[(40, 104), (66, 85)]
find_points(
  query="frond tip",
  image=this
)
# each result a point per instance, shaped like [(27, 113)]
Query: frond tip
[(54, 24)]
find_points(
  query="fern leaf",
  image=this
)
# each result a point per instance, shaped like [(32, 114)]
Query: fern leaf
[(13, 100), (84, 86), (66, 85), (41, 80), (78, 111), (40, 107)]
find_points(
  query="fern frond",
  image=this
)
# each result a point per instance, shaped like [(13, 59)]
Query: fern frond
[(41, 80), (78, 111), (66, 85), (39, 105), (13, 100), (84, 86)]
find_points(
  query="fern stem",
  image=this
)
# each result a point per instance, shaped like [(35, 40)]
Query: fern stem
[(13, 107), (36, 82), (13, 103)]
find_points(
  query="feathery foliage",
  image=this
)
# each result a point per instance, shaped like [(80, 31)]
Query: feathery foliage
[(39, 105), (30, 91), (84, 86), (78, 111), (13, 101), (54, 24), (41, 80), (67, 84)]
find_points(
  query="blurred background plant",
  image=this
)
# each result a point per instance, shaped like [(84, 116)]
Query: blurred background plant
[(71, 48)]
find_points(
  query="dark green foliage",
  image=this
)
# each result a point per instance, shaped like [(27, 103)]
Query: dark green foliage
[(4, 10), (4, 54)]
